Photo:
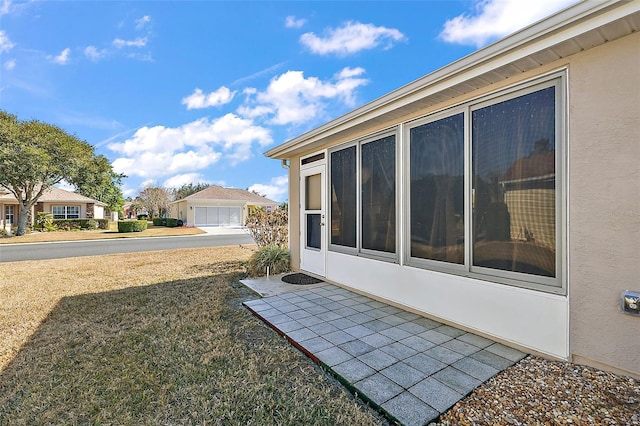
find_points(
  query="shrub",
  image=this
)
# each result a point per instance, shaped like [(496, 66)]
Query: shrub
[(157, 221), (44, 222), (276, 258), (75, 224), (171, 222), (269, 228), (132, 225), (102, 223)]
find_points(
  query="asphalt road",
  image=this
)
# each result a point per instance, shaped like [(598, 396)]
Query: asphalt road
[(58, 250)]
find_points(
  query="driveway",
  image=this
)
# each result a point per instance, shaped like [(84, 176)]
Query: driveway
[(58, 250)]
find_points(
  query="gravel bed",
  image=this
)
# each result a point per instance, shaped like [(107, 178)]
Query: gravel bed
[(536, 391)]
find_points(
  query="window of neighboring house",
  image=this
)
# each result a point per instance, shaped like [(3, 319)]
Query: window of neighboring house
[(363, 197), (494, 208), (65, 212), (9, 215)]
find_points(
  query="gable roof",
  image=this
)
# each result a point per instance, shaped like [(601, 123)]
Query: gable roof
[(585, 25), (54, 195), (215, 192)]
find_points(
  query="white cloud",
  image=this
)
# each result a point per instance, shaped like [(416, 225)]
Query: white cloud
[(291, 98), (292, 22), (5, 7), (276, 190), (351, 38), (138, 42), (5, 44), (199, 100), (142, 22), (183, 179), (62, 58), (155, 152), (492, 19), (93, 54), (10, 64)]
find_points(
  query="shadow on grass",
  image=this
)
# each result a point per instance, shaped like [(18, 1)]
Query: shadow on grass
[(180, 352)]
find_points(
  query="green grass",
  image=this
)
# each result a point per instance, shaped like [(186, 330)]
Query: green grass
[(174, 352)]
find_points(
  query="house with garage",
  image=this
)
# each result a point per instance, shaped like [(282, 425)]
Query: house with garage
[(60, 203), (499, 194), (218, 206)]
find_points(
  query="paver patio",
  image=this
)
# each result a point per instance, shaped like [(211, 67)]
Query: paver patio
[(409, 367)]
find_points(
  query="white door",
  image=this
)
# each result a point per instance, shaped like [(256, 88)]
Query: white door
[(313, 230)]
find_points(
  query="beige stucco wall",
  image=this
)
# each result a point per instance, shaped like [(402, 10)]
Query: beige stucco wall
[(603, 186), (294, 212), (604, 202)]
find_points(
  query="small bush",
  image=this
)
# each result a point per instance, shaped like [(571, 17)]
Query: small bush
[(102, 223), (75, 224), (171, 222), (44, 222), (269, 228), (132, 225), (157, 221), (272, 256)]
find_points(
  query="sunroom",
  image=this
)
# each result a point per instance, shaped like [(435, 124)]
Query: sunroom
[(473, 195)]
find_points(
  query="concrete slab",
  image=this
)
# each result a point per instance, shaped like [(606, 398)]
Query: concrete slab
[(409, 367)]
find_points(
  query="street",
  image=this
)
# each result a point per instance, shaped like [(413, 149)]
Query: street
[(58, 250)]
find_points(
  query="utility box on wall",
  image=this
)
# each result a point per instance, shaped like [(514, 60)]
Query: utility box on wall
[(631, 302)]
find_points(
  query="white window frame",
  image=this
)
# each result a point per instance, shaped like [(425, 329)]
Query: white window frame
[(557, 284), (66, 210), (9, 214)]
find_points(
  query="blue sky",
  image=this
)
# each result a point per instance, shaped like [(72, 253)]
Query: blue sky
[(178, 92)]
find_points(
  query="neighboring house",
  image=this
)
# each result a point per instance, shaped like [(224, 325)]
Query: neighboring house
[(60, 203), (128, 211), (218, 206), (499, 194)]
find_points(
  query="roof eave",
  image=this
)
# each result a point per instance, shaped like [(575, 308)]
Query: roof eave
[(555, 29)]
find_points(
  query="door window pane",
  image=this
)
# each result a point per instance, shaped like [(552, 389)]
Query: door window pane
[(378, 183), (314, 229), (437, 190), (313, 192), (514, 188), (343, 197)]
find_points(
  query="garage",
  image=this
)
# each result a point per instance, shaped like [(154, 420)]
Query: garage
[(218, 216)]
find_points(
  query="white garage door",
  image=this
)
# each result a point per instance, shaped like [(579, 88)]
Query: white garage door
[(218, 216)]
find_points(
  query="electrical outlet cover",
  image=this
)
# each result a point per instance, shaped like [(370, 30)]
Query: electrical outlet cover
[(631, 302)]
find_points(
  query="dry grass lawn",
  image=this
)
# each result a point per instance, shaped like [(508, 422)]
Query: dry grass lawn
[(43, 237), (135, 339)]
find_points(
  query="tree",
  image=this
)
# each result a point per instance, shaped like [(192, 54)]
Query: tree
[(155, 200), (98, 181), (187, 189), (34, 156)]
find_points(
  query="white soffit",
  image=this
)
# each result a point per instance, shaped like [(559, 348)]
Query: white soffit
[(580, 27)]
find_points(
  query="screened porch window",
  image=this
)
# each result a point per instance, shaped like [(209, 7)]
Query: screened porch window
[(343, 197), (363, 197), (492, 209), (437, 190)]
